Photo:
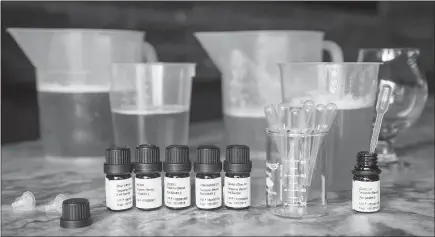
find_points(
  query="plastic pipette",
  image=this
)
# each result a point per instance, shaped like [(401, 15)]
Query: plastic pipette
[(271, 116), (307, 126), (324, 124), (381, 108)]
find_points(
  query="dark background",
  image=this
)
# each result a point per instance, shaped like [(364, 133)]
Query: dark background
[(170, 27)]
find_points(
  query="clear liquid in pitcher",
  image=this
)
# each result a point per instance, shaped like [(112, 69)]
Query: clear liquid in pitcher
[(75, 121)]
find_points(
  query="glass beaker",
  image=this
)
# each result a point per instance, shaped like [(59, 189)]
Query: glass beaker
[(352, 87), (72, 79), (410, 93), (150, 103), (291, 191), (250, 77)]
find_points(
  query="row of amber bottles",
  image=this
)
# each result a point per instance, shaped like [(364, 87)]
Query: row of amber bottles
[(176, 191)]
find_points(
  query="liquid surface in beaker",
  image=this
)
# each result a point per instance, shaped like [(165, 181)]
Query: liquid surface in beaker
[(243, 126), (75, 120), (161, 126)]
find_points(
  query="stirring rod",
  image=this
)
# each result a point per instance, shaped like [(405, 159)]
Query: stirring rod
[(381, 108)]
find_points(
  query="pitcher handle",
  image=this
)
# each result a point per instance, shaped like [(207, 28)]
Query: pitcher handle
[(334, 50), (149, 52)]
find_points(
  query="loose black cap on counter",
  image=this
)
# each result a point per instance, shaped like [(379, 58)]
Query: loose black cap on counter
[(118, 161), (147, 159), (177, 159), (76, 213), (237, 159), (208, 160)]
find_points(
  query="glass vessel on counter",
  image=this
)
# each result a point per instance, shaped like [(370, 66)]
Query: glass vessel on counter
[(72, 79), (352, 88), (250, 76), (150, 103), (399, 69), (291, 190), (295, 158)]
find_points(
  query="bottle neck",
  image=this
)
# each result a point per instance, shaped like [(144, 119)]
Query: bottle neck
[(367, 159), (366, 164)]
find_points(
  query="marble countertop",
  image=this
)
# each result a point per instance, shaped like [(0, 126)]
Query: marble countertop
[(407, 197)]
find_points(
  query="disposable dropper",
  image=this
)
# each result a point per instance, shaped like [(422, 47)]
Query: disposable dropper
[(381, 108)]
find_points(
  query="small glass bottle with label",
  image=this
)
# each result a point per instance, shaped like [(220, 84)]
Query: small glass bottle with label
[(119, 183), (366, 183), (148, 181), (208, 181), (177, 194), (237, 183)]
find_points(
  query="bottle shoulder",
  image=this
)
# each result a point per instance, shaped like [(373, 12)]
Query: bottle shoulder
[(208, 175), (177, 175), (366, 178), (118, 177), (237, 175), (148, 176)]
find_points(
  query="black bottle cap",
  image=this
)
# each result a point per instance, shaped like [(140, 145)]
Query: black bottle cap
[(147, 159), (118, 161), (237, 159), (177, 159), (76, 213), (208, 160)]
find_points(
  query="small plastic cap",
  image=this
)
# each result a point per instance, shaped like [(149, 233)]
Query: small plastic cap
[(76, 213), (147, 154), (177, 159), (56, 204), (237, 154), (25, 202), (208, 155), (208, 160), (177, 154), (118, 156)]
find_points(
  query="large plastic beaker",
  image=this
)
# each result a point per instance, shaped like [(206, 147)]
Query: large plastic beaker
[(352, 87), (150, 103), (250, 77), (73, 83)]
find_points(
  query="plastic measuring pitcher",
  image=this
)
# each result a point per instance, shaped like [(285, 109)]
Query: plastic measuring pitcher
[(352, 88), (250, 77), (150, 103), (73, 83)]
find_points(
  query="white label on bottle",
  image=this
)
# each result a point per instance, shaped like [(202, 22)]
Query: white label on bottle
[(208, 193), (237, 192), (148, 193), (119, 194), (177, 192), (366, 196)]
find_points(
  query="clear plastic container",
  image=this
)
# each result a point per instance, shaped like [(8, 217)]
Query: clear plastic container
[(295, 174), (150, 103), (250, 77), (352, 87), (73, 84)]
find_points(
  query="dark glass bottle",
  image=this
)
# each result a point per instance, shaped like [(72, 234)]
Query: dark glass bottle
[(366, 183), (177, 178), (119, 183), (208, 181), (237, 167), (148, 181)]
